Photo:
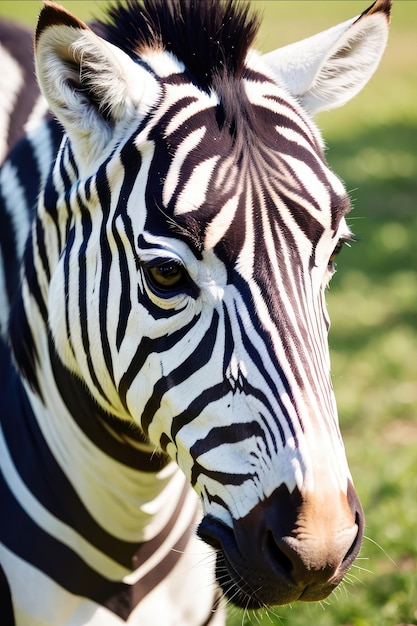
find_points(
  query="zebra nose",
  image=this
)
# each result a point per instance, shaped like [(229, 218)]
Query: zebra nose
[(310, 563), (306, 542), (288, 547)]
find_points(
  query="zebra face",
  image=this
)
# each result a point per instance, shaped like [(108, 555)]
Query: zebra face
[(215, 339), (199, 228), (235, 265)]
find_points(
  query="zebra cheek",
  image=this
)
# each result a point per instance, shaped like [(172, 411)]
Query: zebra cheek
[(58, 317)]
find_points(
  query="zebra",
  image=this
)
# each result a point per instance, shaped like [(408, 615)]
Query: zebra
[(169, 435), (21, 108), (20, 103)]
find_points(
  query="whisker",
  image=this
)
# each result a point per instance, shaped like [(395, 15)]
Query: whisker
[(382, 550), (351, 578), (362, 569)]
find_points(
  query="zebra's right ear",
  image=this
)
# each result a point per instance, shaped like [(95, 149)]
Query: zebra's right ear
[(90, 85)]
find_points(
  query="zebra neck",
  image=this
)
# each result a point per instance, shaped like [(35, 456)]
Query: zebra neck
[(92, 499), (118, 477)]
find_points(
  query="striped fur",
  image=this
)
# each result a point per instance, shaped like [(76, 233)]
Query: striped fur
[(169, 325), (22, 108), (20, 103)]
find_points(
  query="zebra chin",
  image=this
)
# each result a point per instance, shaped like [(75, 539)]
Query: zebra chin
[(276, 555)]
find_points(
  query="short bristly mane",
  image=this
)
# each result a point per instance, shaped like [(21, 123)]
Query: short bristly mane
[(211, 38)]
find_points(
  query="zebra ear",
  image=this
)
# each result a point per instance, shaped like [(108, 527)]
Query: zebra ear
[(90, 85), (328, 69)]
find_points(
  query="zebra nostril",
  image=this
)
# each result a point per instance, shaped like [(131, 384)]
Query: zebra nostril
[(351, 553), (357, 513), (208, 531), (276, 555), (288, 562)]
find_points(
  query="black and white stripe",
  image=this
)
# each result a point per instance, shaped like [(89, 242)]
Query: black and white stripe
[(168, 323), (21, 104), (22, 111)]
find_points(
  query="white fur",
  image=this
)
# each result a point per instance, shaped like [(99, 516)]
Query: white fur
[(69, 59), (330, 68)]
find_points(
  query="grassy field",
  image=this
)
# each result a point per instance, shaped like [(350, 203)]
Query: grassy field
[(372, 145)]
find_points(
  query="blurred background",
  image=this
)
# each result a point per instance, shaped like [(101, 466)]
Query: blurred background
[(372, 145)]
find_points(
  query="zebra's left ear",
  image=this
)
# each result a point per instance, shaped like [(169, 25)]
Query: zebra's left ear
[(328, 69), (90, 85)]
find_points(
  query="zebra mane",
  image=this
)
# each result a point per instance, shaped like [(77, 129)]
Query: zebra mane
[(210, 37)]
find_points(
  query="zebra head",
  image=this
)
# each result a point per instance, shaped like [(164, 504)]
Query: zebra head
[(186, 236)]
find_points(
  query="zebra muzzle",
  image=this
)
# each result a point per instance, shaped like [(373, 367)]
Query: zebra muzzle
[(290, 547)]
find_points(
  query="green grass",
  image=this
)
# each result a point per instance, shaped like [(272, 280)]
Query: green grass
[(372, 145)]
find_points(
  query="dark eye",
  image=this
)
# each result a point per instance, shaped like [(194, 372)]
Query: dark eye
[(337, 250), (167, 277)]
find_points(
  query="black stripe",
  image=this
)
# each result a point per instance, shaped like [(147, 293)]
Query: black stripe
[(84, 317), (41, 249), (32, 278), (36, 465), (8, 251), (23, 159), (131, 161), (67, 182), (97, 425), (260, 366), (49, 202), (70, 239), (106, 260), (24, 349), (146, 347), (18, 40), (197, 405), (7, 613), (199, 357), (124, 256), (217, 436), (22, 536)]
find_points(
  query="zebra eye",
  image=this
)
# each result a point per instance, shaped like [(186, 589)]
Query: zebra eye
[(342, 241), (336, 252), (167, 277)]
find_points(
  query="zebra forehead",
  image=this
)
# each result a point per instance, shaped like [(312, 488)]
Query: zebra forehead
[(211, 192), (205, 175), (208, 37)]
